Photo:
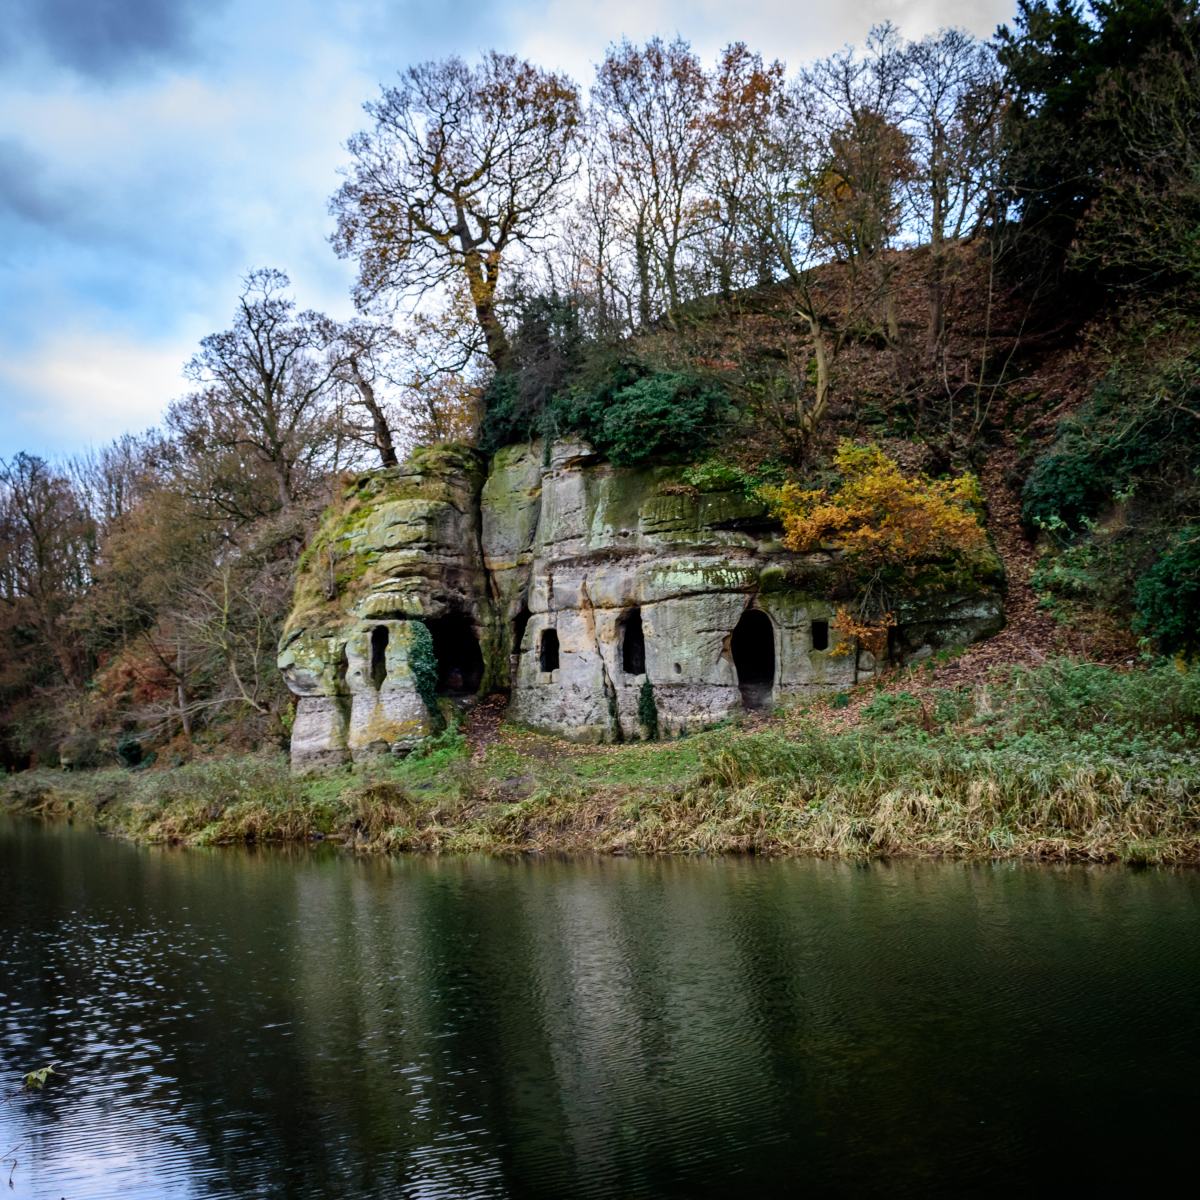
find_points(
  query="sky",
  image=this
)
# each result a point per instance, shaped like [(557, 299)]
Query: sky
[(152, 152)]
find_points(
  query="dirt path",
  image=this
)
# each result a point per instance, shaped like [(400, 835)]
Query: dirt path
[(1029, 635), (482, 725)]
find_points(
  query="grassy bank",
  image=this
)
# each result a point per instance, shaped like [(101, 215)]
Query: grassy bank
[(1068, 761)]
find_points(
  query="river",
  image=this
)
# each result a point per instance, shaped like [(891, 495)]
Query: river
[(308, 1023)]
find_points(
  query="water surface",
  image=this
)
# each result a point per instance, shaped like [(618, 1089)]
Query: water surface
[(233, 1023)]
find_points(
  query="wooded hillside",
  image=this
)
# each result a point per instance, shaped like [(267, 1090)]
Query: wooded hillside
[(978, 256)]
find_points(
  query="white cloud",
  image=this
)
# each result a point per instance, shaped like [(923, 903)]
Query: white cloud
[(84, 388), (564, 35)]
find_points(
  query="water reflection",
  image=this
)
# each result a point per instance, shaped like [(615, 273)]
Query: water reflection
[(305, 1024)]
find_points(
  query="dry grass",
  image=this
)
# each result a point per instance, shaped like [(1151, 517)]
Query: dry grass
[(1069, 761)]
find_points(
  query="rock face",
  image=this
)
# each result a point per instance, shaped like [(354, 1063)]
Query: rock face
[(401, 547), (604, 597)]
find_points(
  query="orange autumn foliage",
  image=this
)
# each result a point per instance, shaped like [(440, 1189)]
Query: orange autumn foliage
[(890, 528), (882, 520), (855, 630)]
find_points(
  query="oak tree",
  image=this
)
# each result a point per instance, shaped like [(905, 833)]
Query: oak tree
[(461, 167)]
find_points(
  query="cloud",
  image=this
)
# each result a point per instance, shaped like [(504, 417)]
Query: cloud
[(26, 191), (105, 39), (146, 209), (83, 387), (563, 34)]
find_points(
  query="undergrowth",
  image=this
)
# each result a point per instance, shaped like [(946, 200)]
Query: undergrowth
[(1068, 761)]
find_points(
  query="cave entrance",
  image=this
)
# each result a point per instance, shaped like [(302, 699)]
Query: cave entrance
[(520, 624), (379, 642), (548, 650), (633, 643), (460, 661), (753, 646)]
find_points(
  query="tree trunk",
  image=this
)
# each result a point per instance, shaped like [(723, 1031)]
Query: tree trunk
[(642, 252), (672, 281), (283, 481), (185, 717), (936, 331), (821, 396), (937, 305), (482, 284), (892, 319), (937, 244), (380, 431), (810, 418)]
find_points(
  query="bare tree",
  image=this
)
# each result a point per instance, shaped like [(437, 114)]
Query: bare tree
[(648, 105), (439, 372), (784, 189), (260, 430), (365, 350), (461, 167), (744, 92), (115, 478), (160, 546), (47, 555), (852, 102), (586, 260), (953, 102)]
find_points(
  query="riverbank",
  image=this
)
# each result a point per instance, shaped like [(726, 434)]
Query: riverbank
[(1069, 761)]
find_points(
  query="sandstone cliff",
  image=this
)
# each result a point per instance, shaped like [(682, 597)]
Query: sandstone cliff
[(604, 598)]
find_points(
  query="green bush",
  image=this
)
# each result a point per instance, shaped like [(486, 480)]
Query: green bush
[(1065, 486), (1167, 597), (664, 416), (1091, 703), (506, 420), (548, 350), (1098, 573), (129, 751), (1139, 427), (560, 383), (890, 707), (648, 710), (1075, 573), (714, 474)]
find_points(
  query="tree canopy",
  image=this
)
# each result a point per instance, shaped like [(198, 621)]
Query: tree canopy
[(461, 165)]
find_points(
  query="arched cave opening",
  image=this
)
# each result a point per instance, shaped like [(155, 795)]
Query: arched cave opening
[(379, 642), (548, 650), (753, 647), (633, 643), (820, 635), (460, 661)]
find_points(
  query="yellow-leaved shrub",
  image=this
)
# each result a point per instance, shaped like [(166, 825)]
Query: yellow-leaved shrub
[(889, 528)]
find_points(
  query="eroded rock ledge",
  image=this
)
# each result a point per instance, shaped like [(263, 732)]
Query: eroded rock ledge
[(575, 584)]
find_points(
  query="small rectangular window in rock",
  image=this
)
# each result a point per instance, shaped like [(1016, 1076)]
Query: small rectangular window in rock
[(548, 650), (820, 635)]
